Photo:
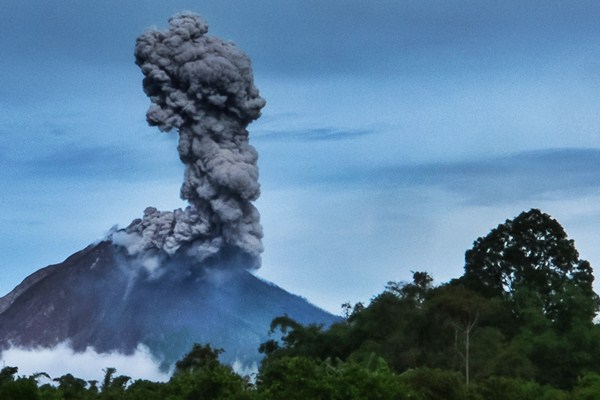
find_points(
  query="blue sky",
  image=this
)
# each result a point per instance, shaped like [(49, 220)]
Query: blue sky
[(395, 132)]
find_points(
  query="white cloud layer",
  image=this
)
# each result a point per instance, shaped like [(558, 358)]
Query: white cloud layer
[(61, 360)]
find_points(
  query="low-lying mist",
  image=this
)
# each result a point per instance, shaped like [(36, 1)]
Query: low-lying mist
[(89, 365)]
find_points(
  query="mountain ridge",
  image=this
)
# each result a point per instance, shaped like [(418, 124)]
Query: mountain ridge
[(99, 297)]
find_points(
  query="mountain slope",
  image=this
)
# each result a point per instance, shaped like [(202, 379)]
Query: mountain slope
[(99, 297)]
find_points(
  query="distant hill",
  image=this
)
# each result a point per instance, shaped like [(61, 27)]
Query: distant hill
[(99, 298)]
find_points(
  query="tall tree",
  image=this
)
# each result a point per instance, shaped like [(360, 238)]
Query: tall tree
[(462, 309), (531, 252)]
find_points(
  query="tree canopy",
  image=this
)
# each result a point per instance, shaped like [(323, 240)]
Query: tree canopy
[(533, 253)]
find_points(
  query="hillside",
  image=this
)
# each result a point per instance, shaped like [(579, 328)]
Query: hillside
[(98, 297)]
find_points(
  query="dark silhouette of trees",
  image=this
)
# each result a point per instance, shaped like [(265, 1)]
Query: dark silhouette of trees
[(201, 356), (531, 252)]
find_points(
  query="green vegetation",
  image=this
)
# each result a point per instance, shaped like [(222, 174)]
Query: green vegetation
[(518, 324)]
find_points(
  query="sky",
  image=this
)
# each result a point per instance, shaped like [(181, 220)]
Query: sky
[(395, 132)]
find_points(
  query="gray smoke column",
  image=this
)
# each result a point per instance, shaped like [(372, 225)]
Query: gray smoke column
[(204, 88)]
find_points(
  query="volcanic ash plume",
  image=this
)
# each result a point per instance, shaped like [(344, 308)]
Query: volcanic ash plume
[(203, 87)]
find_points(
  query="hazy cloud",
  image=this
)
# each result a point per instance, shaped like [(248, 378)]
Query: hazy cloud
[(521, 176), (61, 360), (539, 174), (317, 134), (99, 163)]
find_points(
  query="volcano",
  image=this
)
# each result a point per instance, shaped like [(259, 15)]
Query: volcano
[(173, 278), (99, 298)]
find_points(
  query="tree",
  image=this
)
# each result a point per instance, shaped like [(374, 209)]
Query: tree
[(588, 387), (200, 375), (143, 389), (416, 291), (301, 377), (346, 310), (72, 388), (112, 387), (533, 267), (201, 356), (501, 388), (434, 384), (7, 374), (308, 340), (349, 311), (531, 252), (20, 389), (463, 309)]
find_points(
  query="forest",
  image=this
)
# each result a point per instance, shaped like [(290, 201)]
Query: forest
[(518, 324)]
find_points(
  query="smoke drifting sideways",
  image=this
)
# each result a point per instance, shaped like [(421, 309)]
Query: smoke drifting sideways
[(204, 88)]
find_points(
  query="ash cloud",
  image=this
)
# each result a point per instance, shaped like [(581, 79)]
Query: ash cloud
[(202, 87)]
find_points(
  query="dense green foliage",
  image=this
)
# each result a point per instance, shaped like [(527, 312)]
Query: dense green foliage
[(519, 324)]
